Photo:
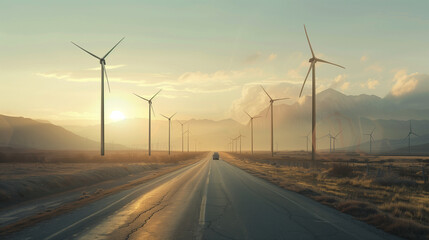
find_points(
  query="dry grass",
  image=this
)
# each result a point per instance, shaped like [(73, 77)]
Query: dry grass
[(126, 156), (22, 179), (388, 193)]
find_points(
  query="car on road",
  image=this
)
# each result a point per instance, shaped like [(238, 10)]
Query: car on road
[(216, 156)]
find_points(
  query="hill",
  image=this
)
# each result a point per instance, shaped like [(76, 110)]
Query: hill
[(20, 132)]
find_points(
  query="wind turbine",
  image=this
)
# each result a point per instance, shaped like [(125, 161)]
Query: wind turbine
[(232, 143), (333, 138), (272, 119), (103, 72), (313, 62), (150, 110), (169, 127), (411, 132), (370, 139), (239, 137), (182, 131), (251, 128), (187, 131), (306, 137)]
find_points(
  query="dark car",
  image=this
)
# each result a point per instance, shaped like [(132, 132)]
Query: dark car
[(216, 156)]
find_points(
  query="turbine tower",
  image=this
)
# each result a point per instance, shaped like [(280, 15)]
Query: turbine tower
[(150, 110), (411, 132), (313, 60), (333, 138), (251, 129), (187, 131), (103, 72), (272, 118), (182, 132), (370, 140), (169, 127), (239, 137), (306, 137)]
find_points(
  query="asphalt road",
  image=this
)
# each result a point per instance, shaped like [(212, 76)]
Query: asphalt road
[(207, 200)]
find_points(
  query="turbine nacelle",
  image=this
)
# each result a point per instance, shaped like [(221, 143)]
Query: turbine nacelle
[(102, 61)]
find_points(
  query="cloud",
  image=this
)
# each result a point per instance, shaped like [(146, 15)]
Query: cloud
[(340, 82), (370, 84), (107, 67), (254, 100), (253, 58), (345, 86), (364, 58), (404, 83), (54, 75), (272, 57), (410, 91), (374, 68)]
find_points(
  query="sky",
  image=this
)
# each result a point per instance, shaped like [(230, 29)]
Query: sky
[(208, 57)]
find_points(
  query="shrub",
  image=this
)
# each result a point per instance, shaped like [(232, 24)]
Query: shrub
[(340, 171)]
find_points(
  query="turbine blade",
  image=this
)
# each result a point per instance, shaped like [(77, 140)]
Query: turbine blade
[(164, 116), (141, 97), (86, 51), (266, 92), (268, 110), (278, 99), (173, 115), (415, 134), (113, 48), (305, 80), (372, 131), (107, 78), (339, 133), (153, 110), (156, 94), (324, 61), (309, 44), (248, 114), (257, 116)]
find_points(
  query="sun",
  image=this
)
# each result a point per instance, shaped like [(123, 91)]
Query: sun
[(117, 116)]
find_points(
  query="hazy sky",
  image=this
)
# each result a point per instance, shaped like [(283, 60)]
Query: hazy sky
[(208, 56)]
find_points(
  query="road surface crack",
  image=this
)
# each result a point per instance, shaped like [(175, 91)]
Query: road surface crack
[(145, 221), (145, 211)]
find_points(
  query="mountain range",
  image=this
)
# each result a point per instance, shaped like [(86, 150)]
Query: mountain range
[(350, 116), (20, 132)]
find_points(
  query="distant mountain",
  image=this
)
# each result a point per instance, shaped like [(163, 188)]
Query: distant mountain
[(204, 134), (393, 146), (353, 116), (422, 149), (19, 132)]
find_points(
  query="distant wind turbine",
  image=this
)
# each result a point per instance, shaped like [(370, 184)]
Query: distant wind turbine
[(150, 110), (239, 137), (411, 132), (272, 118), (313, 62), (306, 137), (333, 138), (370, 139), (182, 131), (187, 131), (103, 72), (251, 129), (169, 128)]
